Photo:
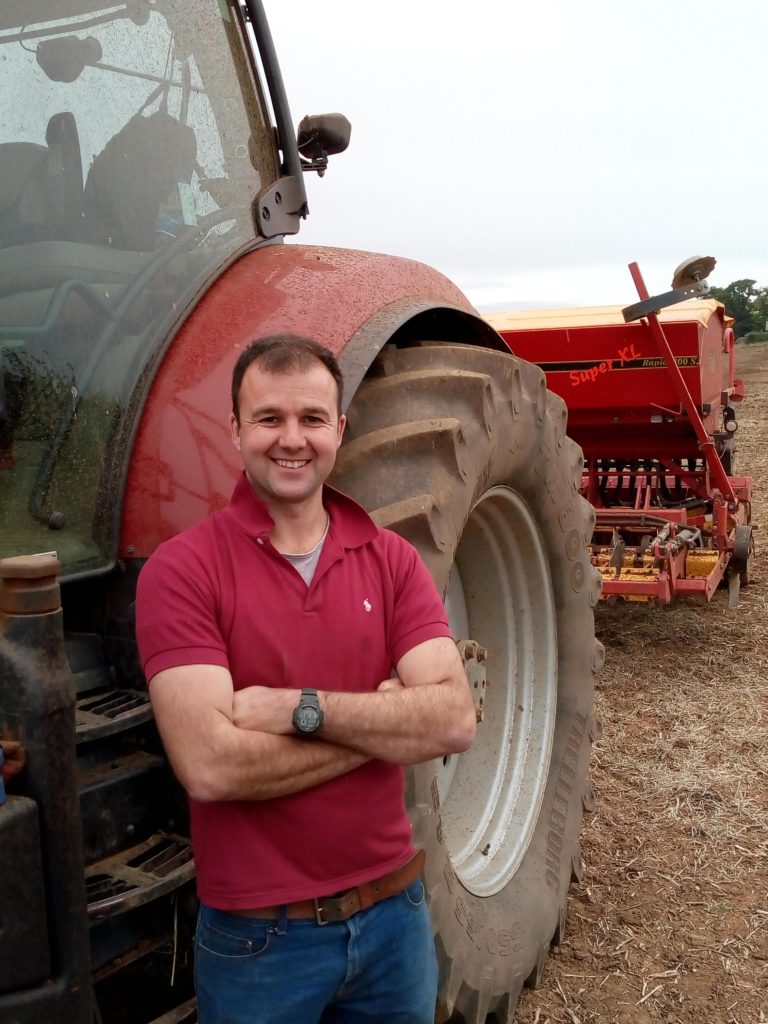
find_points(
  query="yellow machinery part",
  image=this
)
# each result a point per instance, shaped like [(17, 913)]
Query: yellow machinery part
[(647, 573), (699, 564), (601, 558)]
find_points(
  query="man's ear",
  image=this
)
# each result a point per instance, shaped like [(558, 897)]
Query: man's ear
[(234, 429), (342, 426)]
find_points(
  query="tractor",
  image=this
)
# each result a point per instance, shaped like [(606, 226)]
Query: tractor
[(150, 174)]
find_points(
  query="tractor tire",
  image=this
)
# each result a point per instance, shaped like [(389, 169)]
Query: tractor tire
[(463, 451)]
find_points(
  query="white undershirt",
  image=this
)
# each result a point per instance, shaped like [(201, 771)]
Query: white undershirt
[(306, 563)]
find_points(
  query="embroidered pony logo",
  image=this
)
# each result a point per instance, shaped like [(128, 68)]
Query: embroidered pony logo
[(367, 605)]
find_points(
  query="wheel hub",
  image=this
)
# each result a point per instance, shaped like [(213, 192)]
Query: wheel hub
[(500, 594)]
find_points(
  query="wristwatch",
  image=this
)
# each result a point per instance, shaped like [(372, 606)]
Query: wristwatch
[(307, 715)]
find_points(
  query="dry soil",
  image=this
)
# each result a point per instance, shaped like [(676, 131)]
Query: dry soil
[(670, 922)]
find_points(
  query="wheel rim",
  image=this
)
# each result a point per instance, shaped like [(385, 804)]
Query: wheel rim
[(500, 595)]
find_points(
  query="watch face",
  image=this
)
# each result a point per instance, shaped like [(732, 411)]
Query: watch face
[(307, 719)]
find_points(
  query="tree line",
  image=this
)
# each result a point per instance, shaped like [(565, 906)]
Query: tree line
[(746, 303)]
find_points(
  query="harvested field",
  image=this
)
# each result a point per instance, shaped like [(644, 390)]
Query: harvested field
[(670, 922)]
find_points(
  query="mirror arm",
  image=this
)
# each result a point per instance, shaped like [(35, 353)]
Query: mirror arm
[(280, 208)]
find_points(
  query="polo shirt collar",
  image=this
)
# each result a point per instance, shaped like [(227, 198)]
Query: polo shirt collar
[(350, 523)]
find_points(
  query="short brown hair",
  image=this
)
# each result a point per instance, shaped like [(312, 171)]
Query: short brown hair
[(284, 353)]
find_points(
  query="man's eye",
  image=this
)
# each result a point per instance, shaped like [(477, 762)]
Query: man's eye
[(267, 420), (313, 419)]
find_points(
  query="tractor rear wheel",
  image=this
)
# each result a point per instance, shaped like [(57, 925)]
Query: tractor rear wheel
[(463, 451)]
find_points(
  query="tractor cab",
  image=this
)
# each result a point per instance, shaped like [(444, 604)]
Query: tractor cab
[(135, 146), (138, 161)]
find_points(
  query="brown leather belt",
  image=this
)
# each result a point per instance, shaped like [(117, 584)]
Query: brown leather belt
[(330, 909)]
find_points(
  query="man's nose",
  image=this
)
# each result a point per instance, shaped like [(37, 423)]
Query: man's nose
[(292, 434)]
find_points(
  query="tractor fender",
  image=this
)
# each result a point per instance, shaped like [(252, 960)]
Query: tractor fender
[(182, 465), (410, 319)]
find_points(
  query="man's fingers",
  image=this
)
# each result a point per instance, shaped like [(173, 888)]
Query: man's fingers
[(241, 708), (264, 708), (389, 684)]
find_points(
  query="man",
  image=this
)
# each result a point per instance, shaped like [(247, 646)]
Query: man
[(297, 657)]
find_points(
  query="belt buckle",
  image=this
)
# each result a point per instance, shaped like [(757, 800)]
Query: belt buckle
[(344, 907), (319, 912)]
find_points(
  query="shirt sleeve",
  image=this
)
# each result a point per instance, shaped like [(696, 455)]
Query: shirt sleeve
[(176, 612), (418, 613)]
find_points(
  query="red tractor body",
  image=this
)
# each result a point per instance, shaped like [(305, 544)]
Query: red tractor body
[(183, 464)]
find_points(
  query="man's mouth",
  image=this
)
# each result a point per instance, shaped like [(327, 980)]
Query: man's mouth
[(291, 463)]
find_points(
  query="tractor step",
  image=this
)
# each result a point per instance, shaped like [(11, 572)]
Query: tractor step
[(105, 712), (184, 1014), (138, 875), (103, 709)]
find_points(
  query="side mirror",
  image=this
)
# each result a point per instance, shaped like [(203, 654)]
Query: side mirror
[(320, 136)]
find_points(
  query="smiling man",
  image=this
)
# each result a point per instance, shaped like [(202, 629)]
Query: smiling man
[(298, 656)]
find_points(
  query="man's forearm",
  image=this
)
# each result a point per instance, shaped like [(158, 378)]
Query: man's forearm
[(260, 766), (290, 767), (215, 759), (406, 725), (426, 711)]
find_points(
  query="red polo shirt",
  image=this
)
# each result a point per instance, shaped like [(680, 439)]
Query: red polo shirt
[(220, 594)]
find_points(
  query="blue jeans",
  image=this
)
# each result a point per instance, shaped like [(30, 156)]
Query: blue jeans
[(378, 967)]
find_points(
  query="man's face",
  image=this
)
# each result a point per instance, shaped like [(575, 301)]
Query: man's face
[(289, 432)]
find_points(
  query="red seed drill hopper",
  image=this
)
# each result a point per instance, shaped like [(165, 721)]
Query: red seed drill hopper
[(651, 396)]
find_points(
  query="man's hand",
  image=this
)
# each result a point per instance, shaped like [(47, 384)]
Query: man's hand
[(265, 708), (390, 684), (425, 711)]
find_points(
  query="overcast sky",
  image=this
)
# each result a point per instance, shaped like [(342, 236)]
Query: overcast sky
[(530, 151)]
